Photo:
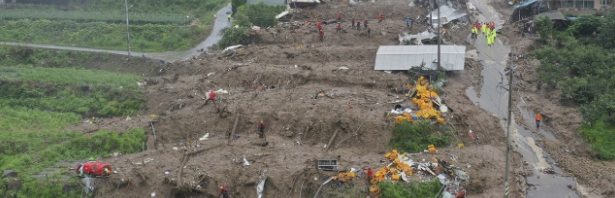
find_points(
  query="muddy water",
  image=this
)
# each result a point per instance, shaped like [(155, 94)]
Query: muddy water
[(493, 97)]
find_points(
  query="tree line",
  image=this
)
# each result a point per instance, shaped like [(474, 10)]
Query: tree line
[(580, 62)]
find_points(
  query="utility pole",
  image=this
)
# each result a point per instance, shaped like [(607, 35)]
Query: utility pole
[(127, 28), (439, 37), (430, 13), (510, 89)]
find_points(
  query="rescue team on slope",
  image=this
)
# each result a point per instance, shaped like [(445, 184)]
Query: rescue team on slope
[(487, 29), (354, 23)]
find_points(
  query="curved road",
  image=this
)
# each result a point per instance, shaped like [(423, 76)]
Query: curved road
[(171, 56), (495, 100)]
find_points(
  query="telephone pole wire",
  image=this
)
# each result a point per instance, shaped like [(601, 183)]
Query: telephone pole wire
[(510, 89), (127, 28)]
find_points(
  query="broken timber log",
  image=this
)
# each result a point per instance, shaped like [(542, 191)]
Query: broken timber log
[(154, 131), (233, 131), (331, 141)]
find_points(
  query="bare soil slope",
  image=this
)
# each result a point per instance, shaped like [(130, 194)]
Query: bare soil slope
[(276, 81)]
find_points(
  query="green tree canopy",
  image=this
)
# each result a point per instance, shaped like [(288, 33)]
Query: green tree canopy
[(606, 37)]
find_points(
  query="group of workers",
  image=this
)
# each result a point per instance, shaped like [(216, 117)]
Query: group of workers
[(353, 23), (487, 29)]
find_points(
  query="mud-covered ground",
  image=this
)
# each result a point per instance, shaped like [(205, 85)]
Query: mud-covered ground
[(275, 80)]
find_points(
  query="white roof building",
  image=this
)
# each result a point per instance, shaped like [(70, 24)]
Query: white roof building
[(404, 57)]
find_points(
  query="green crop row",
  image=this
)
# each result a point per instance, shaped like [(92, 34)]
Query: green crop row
[(144, 38), (91, 101), (90, 16), (70, 76), (32, 140), (410, 190), (30, 151)]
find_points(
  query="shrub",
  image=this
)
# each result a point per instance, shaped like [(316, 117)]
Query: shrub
[(232, 36), (600, 136), (414, 137), (411, 190)]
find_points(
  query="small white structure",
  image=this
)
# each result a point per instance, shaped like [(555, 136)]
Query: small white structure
[(404, 57)]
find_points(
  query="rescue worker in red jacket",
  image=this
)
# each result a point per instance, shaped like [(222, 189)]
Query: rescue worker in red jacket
[(370, 173), (322, 35), (365, 23), (212, 97), (261, 129), (339, 15), (319, 25), (223, 192), (339, 27)]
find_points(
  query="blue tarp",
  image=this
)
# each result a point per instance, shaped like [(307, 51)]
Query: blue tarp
[(526, 3)]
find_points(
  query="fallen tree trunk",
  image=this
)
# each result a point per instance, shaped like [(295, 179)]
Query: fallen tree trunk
[(331, 140), (233, 131), (154, 131)]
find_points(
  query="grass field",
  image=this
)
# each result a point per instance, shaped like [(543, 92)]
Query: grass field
[(39, 101), (156, 26)]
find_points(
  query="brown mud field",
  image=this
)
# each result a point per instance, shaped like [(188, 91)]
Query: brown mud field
[(277, 80)]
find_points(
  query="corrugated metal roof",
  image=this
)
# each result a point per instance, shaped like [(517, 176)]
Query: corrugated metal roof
[(404, 57), (268, 2)]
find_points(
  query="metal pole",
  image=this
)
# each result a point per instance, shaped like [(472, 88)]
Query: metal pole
[(439, 37), (127, 28), (430, 13), (510, 86)]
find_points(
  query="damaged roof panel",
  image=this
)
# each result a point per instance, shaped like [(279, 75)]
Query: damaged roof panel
[(404, 57)]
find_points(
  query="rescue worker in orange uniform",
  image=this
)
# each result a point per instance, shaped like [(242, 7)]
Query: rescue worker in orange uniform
[(322, 34), (538, 118)]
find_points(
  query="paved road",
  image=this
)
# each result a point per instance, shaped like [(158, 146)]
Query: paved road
[(219, 23), (494, 99)]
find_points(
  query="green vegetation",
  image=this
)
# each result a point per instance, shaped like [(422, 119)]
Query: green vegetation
[(601, 137), (45, 91), (30, 152), (69, 76), (232, 36), (582, 65), (32, 140), (155, 25), (96, 101), (414, 137), (92, 16), (49, 187), (258, 14), (145, 38), (236, 3), (411, 190)]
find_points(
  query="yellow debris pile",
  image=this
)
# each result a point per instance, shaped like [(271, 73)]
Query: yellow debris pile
[(345, 177), (423, 99), (392, 171)]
